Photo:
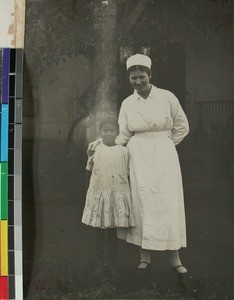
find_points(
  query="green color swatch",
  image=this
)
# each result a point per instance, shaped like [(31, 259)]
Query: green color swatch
[(4, 190)]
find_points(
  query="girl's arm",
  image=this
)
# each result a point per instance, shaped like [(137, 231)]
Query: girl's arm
[(89, 168), (87, 179)]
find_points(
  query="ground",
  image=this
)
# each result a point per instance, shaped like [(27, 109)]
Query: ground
[(59, 251)]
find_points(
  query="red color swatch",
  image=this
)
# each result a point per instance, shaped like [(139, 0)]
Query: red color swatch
[(4, 288)]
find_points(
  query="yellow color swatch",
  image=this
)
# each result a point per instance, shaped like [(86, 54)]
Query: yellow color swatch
[(4, 247)]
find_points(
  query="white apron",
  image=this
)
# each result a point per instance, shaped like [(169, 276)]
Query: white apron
[(157, 193)]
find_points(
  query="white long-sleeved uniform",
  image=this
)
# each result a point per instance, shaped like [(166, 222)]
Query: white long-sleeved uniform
[(152, 127)]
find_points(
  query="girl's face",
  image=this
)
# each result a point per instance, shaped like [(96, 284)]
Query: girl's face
[(108, 134), (139, 80)]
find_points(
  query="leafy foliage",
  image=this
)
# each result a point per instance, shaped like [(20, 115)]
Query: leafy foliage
[(55, 31)]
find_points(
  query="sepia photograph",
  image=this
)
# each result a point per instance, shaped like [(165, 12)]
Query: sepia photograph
[(128, 149)]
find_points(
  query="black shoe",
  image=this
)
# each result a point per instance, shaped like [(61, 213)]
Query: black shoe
[(114, 273), (99, 272)]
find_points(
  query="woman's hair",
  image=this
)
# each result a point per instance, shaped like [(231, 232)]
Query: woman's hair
[(109, 120), (140, 68)]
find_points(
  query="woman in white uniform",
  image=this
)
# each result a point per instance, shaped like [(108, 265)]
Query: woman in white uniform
[(151, 123)]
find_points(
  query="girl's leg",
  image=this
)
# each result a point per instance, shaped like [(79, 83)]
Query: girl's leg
[(176, 262), (145, 259), (113, 243), (100, 251)]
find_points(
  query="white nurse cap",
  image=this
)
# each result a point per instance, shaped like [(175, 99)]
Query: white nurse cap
[(139, 60)]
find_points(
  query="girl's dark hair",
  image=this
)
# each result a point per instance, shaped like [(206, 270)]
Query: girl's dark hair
[(109, 120), (140, 68)]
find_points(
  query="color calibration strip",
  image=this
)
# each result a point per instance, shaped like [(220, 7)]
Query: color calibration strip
[(11, 273)]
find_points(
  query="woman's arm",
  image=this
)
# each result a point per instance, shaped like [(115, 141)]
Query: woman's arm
[(92, 146), (180, 123), (124, 132)]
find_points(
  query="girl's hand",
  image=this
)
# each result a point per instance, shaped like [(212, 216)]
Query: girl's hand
[(92, 146)]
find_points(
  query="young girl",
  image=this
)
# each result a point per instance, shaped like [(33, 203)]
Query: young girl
[(108, 201)]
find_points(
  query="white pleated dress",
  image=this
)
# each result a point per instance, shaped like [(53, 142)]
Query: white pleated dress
[(152, 127), (108, 200)]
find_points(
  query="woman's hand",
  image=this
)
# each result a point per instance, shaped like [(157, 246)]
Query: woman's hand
[(92, 146)]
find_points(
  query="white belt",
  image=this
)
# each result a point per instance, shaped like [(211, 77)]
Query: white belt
[(153, 134)]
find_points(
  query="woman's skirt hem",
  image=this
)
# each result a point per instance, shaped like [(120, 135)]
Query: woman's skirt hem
[(154, 245)]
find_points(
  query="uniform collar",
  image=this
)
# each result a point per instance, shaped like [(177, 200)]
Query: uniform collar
[(152, 93)]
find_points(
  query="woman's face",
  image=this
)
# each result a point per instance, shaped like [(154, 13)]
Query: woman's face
[(139, 80)]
